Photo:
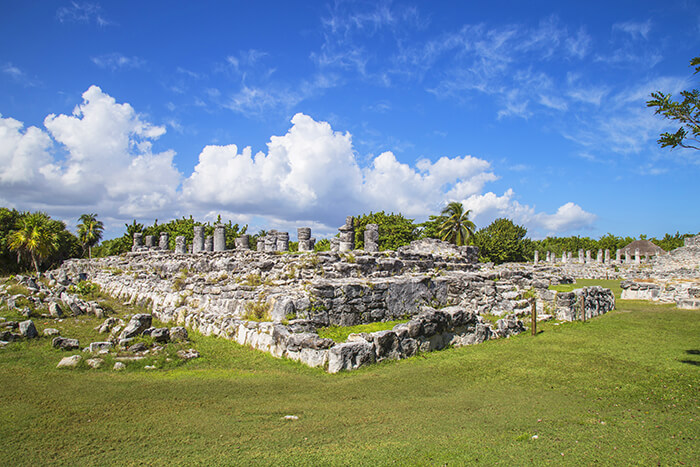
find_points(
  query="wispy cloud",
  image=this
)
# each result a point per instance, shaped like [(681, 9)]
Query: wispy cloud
[(638, 30), (117, 61), (19, 75), (82, 12)]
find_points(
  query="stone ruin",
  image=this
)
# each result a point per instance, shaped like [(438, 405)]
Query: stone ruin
[(372, 238), (306, 243), (436, 287), (347, 235)]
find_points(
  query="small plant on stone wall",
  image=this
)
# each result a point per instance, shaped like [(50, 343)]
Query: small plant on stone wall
[(259, 310), (182, 300), (254, 280), (180, 280), (530, 293)]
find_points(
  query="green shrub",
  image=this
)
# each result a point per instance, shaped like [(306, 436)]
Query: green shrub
[(84, 289), (258, 310)]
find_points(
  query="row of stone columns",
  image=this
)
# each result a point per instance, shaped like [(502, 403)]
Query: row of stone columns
[(200, 242), (272, 241), (602, 256)]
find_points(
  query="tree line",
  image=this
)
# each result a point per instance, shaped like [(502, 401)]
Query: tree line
[(32, 240)]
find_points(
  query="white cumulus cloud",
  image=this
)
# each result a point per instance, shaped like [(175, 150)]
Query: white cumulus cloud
[(568, 217), (100, 159), (108, 165)]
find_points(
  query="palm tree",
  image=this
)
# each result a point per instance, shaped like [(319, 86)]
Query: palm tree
[(35, 237), (90, 231), (457, 228)]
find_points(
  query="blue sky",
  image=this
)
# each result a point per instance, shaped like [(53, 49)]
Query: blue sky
[(287, 114)]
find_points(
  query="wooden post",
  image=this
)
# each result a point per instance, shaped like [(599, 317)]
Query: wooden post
[(582, 308), (533, 315)]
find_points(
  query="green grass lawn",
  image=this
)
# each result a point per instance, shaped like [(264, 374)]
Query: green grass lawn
[(621, 389), (341, 333)]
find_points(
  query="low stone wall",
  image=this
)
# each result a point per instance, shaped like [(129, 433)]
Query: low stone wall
[(430, 330), (684, 293), (596, 301)]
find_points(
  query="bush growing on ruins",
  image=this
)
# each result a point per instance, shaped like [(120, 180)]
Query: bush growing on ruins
[(394, 230), (502, 242), (85, 289), (322, 245)]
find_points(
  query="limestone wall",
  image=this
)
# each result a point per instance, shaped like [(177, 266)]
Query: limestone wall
[(596, 301), (685, 294)]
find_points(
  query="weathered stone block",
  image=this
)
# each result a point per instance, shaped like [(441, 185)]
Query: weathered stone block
[(350, 356)]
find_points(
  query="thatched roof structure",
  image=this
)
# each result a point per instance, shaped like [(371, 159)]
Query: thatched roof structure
[(646, 248)]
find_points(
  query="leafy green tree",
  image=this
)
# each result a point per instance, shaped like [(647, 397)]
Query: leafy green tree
[(254, 239), (558, 245), (34, 237), (90, 231), (671, 242), (8, 221), (502, 241), (322, 245), (686, 112), (457, 228), (431, 227), (394, 230)]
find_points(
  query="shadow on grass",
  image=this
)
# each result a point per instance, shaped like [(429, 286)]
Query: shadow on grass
[(692, 362)]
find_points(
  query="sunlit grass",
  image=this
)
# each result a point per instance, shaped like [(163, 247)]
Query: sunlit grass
[(620, 389)]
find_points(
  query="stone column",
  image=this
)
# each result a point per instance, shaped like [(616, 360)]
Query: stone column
[(547, 257), (570, 256), (607, 256), (138, 242), (588, 256), (219, 237), (150, 242), (271, 241), (243, 242), (335, 244), (282, 242), (636, 256), (198, 241), (304, 238), (580, 256), (180, 245), (208, 243), (347, 235), (372, 238), (537, 256), (627, 257), (563, 257), (618, 256), (164, 241), (599, 257)]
